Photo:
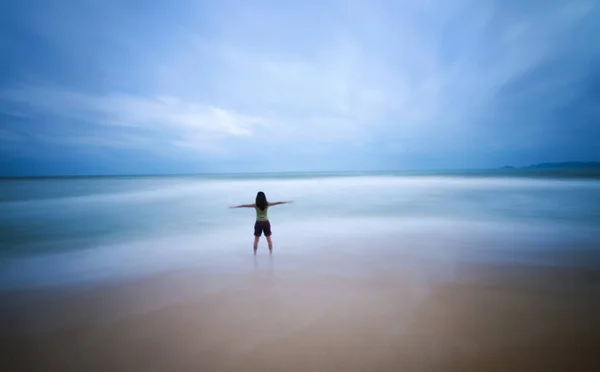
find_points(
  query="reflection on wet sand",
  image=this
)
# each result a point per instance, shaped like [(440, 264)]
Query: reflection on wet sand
[(501, 317)]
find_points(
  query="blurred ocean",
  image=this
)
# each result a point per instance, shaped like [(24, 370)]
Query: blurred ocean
[(57, 231)]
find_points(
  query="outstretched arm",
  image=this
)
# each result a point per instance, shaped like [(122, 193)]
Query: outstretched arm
[(281, 202), (244, 206)]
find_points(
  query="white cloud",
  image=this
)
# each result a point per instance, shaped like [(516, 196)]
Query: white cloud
[(373, 72), (197, 126), (329, 97), (376, 71), (162, 112)]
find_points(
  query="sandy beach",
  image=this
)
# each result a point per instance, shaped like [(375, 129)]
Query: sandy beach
[(486, 317), (432, 274)]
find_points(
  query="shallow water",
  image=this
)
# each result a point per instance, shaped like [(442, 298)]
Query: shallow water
[(72, 230)]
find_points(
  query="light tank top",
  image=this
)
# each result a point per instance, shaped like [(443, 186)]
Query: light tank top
[(262, 215)]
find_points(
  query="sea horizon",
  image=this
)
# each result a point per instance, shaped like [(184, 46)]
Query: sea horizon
[(500, 171)]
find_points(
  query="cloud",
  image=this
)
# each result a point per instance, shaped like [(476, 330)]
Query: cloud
[(385, 80), (189, 124), (431, 74), (10, 136), (136, 111), (328, 97)]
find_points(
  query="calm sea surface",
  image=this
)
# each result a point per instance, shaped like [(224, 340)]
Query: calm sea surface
[(68, 230)]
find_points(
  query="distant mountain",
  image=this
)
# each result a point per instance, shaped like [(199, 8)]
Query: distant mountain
[(563, 165), (566, 165)]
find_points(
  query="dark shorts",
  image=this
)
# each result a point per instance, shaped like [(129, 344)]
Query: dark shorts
[(262, 226)]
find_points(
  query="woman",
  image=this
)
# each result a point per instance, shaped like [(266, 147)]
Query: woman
[(262, 218)]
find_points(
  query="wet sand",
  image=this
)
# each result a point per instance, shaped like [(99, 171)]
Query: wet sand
[(485, 317)]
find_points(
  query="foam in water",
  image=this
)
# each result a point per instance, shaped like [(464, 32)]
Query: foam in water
[(115, 228)]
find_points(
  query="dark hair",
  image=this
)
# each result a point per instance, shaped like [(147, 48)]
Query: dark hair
[(261, 201)]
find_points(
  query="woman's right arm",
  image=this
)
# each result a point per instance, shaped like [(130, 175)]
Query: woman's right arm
[(244, 206)]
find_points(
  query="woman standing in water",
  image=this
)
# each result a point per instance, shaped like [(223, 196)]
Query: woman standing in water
[(262, 218)]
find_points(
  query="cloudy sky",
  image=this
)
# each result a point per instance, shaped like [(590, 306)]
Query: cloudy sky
[(90, 87)]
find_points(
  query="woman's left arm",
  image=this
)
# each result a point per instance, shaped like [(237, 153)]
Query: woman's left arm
[(281, 202)]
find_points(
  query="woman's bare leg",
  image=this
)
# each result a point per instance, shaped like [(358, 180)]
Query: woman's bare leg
[(270, 244), (256, 239)]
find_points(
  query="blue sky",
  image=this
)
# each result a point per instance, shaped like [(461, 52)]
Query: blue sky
[(90, 87)]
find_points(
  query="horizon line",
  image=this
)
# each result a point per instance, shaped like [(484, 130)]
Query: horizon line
[(191, 174)]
